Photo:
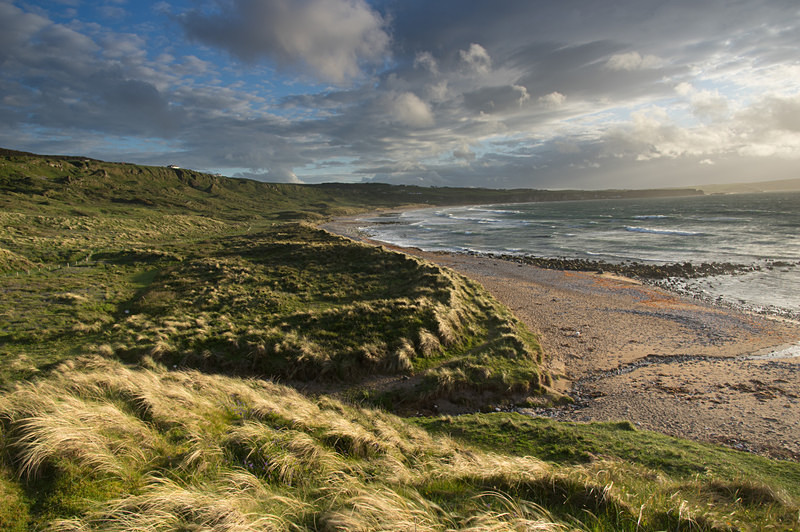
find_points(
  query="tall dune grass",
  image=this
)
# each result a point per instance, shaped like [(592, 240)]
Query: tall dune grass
[(219, 453), (112, 447)]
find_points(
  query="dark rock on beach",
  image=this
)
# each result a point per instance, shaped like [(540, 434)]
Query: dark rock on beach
[(635, 270)]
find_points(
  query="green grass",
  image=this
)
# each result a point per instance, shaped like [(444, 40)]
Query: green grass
[(146, 314), (644, 466), (98, 445), (212, 273)]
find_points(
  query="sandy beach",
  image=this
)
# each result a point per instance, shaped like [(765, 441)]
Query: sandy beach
[(665, 362)]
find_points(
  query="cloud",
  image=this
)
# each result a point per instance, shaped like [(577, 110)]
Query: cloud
[(277, 175), (464, 152), (476, 58), (496, 99), (705, 104), (408, 109), (554, 99), (709, 105), (653, 134), (330, 39), (767, 129), (16, 27), (684, 88), (523, 94), (437, 92), (426, 60), (774, 113), (633, 61)]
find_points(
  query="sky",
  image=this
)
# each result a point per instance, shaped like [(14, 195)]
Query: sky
[(502, 94)]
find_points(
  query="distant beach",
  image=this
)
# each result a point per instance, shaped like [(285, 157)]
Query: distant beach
[(664, 361)]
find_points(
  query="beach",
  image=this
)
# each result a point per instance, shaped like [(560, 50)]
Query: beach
[(663, 361)]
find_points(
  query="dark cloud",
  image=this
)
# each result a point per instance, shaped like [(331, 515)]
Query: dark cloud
[(16, 29), (506, 94), (508, 98)]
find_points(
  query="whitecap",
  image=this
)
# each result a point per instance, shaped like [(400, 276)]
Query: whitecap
[(661, 231)]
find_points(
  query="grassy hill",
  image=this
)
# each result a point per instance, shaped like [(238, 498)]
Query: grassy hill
[(149, 314)]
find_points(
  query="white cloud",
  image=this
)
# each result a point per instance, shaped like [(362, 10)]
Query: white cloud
[(554, 99), (408, 109), (523, 93), (193, 65), (684, 88), (768, 129), (423, 115), (477, 59), (705, 104), (633, 61), (709, 104), (330, 39), (652, 134), (774, 113)]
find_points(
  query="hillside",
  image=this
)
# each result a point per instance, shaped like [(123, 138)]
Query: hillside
[(186, 351), (205, 272), (78, 179), (782, 185)]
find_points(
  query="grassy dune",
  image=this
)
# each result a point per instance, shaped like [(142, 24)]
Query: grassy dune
[(149, 314), (286, 301)]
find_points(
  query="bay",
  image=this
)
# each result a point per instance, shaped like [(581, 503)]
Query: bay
[(748, 229)]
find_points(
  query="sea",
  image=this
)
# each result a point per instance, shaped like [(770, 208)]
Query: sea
[(759, 230)]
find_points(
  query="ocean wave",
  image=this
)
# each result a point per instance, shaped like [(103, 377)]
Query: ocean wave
[(671, 232), (722, 219), (493, 211), (474, 219), (650, 217)]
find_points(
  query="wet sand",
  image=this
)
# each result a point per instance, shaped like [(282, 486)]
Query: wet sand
[(665, 362)]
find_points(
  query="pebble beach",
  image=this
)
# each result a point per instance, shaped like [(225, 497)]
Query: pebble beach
[(661, 360)]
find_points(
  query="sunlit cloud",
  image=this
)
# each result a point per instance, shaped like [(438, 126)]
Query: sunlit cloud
[(632, 61)]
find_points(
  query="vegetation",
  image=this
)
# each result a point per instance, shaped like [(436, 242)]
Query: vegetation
[(148, 314), (646, 468), (101, 446)]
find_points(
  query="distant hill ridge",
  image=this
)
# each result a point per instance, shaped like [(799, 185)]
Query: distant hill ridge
[(74, 177), (782, 185)]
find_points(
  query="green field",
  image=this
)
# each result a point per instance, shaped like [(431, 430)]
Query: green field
[(156, 325)]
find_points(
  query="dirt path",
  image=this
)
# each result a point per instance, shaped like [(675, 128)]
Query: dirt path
[(662, 361)]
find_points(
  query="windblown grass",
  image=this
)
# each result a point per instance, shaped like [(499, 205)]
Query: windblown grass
[(665, 478), (101, 446), (188, 449)]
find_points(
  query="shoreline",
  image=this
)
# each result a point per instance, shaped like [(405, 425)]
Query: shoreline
[(628, 350), (675, 277)]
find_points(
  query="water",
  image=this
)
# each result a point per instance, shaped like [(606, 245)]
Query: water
[(748, 229)]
